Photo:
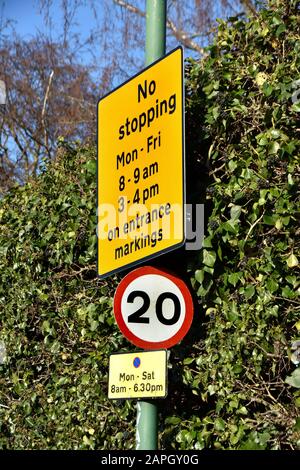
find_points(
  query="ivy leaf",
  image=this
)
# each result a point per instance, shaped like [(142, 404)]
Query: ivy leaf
[(297, 425), (296, 107), (234, 278), (235, 212), (281, 28), (272, 285), (209, 258), (249, 291), (294, 378), (173, 420), (292, 261), (220, 424), (274, 147), (199, 275)]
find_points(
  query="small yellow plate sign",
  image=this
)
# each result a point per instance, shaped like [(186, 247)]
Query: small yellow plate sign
[(138, 375)]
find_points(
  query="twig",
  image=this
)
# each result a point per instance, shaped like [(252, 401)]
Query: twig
[(184, 38), (44, 106), (249, 6), (181, 35), (253, 225)]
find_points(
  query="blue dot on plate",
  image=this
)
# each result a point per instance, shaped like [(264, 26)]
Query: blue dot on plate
[(136, 362)]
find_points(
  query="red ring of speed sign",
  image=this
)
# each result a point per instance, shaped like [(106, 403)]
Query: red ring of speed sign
[(153, 308)]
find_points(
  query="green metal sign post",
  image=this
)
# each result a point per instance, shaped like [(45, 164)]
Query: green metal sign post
[(146, 426), (155, 30)]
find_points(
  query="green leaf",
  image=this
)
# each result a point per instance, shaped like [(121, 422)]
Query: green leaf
[(237, 368), (232, 165), (209, 258), (272, 285), (294, 378), (234, 278), (46, 326), (85, 379), (251, 445), (297, 402), (276, 20), (267, 89), (292, 261), (207, 242), (297, 424), (91, 166), (269, 219), (296, 107), (209, 270), (235, 212), (199, 275), (216, 112), (242, 410), (219, 424), (263, 141), (287, 292), (173, 420), (204, 288), (231, 226), (188, 360), (249, 291), (275, 133), (274, 147), (281, 28), (94, 325)]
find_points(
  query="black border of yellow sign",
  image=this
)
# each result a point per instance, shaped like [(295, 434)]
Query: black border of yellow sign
[(176, 245)]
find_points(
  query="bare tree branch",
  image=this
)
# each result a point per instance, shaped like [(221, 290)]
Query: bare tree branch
[(180, 35), (249, 6), (44, 107), (184, 38), (52, 92), (130, 7)]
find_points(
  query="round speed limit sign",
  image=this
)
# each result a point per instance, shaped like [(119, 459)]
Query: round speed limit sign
[(153, 308)]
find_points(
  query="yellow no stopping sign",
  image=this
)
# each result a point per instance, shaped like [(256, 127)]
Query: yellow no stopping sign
[(141, 167)]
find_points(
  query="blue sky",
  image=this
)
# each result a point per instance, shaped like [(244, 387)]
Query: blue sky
[(24, 14), (28, 20)]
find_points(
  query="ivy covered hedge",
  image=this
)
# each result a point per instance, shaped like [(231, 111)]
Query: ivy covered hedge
[(232, 384)]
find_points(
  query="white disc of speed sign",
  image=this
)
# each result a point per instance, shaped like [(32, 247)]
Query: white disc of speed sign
[(153, 308)]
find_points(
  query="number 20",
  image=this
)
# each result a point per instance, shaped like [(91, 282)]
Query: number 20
[(137, 316)]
